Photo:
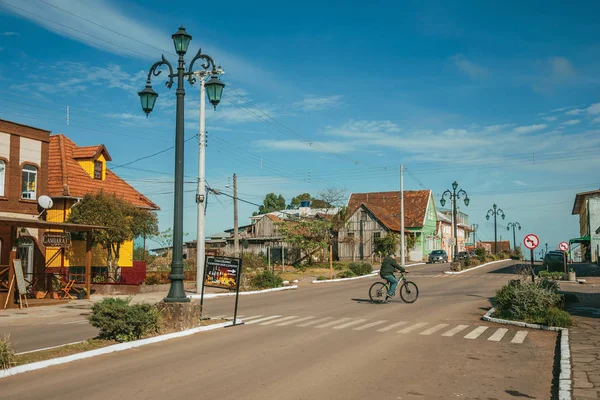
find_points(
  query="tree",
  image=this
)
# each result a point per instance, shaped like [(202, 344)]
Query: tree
[(307, 235), (295, 203), (332, 197), (271, 203), (122, 220)]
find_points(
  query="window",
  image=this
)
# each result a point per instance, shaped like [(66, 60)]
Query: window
[(2, 176), (376, 235), (98, 170), (430, 242), (29, 182)]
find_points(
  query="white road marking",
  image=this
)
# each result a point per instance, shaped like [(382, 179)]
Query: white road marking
[(325, 325), (309, 323), (294, 321), (279, 320), (356, 322), (367, 326), (254, 321), (454, 331), (519, 337), (392, 326), (434, 329), (413, 327), (475, 333), (249, 318), (498, 335), (79, 321)]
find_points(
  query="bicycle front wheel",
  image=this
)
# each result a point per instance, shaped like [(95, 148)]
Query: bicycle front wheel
[(409, 292), (377, 292)]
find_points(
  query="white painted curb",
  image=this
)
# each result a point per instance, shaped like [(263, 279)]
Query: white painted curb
[(374, 273), (213, 295), (477, 267), (108, 349), (565, 382)]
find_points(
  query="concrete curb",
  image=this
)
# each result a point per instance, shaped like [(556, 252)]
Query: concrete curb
[(213, 295), (360, 277), (565, 382), (108, 349), (471, 269)]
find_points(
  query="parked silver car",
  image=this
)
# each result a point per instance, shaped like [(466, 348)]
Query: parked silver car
[(438, 256)]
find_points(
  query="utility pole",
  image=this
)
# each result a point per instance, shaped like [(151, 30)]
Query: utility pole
[(236, 235), (402, 239), (201, 194), (474, 226)]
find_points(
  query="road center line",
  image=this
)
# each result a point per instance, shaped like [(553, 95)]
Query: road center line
[(475, 333), (255, 321), (519, 337), (327, 324), (498, 335), (279, 320), (294, 321), (413, 327), (434, 329), (356, 322), (454, 331), (367, 326), (392, 326)]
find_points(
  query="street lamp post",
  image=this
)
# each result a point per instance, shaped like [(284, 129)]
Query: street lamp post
[(495, 211), (454, 195), (514, 225), (474, 227), (214, 88)]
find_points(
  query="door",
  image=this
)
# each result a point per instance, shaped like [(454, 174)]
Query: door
[(25, 254)]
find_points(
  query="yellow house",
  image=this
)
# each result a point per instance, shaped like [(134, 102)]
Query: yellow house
[(74, 172)]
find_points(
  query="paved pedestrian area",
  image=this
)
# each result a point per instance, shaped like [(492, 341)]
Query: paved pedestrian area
[(585, 352)]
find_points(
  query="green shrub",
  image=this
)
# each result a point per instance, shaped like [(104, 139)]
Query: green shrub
[(338, 266), (118, 320), (360, 268), (346, 274), (549, 285), (526, 301), (7, 353), (265, 280), (554, 316), (253, 261), (99, 279), (322, 278), (544, 274), (152, 280), (480, 252)]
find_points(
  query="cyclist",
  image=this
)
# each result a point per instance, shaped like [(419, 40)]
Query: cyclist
[(387, 272)]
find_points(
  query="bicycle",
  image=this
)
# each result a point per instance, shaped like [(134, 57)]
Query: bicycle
[(409, 292)]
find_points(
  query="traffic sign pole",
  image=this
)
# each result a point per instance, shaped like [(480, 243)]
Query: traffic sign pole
[(532, 268), (531, 241)]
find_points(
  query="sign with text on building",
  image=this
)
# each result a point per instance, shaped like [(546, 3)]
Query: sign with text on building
[(222, 272), (531, 241), (56, 239)]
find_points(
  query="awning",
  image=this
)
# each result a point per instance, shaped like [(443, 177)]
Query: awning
[(580, 240)]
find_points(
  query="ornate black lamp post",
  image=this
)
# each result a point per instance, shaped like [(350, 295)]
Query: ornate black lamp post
[(513, 225), (214, 89), (454, 195), (495, 211)]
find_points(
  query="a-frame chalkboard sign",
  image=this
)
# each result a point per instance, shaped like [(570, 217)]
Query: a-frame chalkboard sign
[(21, 287)]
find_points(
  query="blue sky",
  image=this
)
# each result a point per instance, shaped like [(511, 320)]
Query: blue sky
[(504, 98)]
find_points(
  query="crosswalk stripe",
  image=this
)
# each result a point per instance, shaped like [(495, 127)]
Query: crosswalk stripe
[(434, 329), (519, 337), (367, 326), (498, 335), (294, 321), (252, 317), (454, 331), (356, 322), (79, 321), (279, 320), (392, 326), (325, 325), (309, 323), (475, 333), (413, 327), (254, 321)]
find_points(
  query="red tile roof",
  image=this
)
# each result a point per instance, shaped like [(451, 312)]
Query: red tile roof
[(386, 207), (67, 178)]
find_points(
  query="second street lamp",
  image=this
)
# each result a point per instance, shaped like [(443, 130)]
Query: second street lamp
[(454, 195), (181, 41), (495, 211), (513, 225)]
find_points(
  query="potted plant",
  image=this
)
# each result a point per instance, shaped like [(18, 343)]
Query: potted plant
[(572, 276)]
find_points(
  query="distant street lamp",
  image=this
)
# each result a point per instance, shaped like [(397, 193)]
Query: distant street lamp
[(474, 227), (495, 211), (214, 89), (514, 225), (454, 195)]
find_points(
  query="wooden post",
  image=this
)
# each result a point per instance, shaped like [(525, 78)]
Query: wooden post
[(88, 264), (11, 270), (330, 261)]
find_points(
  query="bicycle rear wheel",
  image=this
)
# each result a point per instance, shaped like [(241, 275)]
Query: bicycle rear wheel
[(409, 292), (377, 292)]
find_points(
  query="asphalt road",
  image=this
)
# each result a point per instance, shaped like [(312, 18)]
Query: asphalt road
[(326, 341)]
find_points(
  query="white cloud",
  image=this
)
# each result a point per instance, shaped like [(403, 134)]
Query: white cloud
[(319, 103), (594, 109), (596, 120), (456, 133), (561, 67), (520, 183), (496, 128), (575, 111), (549, 119), (298, 145), (9, 34), (572, 122), (529, 128), (469, 68), (363, 129)]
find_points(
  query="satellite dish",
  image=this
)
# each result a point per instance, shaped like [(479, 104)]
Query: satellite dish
[(45, 202)]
